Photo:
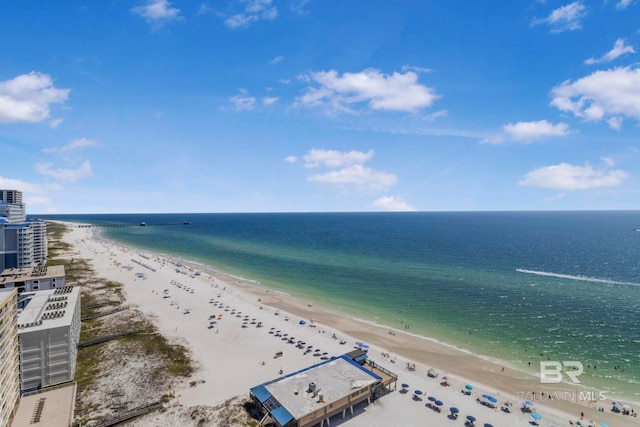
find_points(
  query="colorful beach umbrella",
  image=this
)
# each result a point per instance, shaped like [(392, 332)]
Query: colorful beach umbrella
[(536, 416), (527, 403), (468, 387)]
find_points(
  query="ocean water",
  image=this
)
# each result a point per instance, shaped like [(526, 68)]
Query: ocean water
[(517, 287)]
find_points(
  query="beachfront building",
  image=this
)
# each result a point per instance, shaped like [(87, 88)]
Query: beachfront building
[(23, 242), (9, 365), (313, 395), (48, 335), (38, 278)]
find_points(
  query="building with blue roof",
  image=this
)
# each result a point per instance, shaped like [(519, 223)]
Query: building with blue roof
[(313, 395)]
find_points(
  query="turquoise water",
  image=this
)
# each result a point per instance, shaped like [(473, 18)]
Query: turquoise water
[(515, 286)]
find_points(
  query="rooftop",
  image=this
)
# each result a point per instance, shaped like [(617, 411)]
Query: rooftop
[(31, 273), (53, 408), (47, 309), (333, 380)]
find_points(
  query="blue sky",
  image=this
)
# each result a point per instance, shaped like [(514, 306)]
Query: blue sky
[(308, 105)]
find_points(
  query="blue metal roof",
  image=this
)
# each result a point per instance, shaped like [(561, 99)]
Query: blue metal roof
[(281, 415), (261, 393)]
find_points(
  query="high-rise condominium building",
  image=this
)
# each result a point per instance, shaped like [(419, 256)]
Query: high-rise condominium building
[(9, 355), (23, 242)]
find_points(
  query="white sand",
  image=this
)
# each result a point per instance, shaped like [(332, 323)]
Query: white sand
[(232, 359)]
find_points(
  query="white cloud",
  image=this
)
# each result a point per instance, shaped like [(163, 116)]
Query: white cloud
[(35, 201), (25, 187), (157, 12), (254, 10), (348, 169), (392, 203), (74, 145), (28, 97), (269, 100), (619, 49), (608, 161), (358, 175), (298, 6), (55, 123), (568, 177), (622, 4), (334, 159), (64, 175), (613, 93), (435, 115), (615, 123), (528, 132), (396, 92), (565, 18), (278, 59), (291, 159), (243, 103), (416, 69)]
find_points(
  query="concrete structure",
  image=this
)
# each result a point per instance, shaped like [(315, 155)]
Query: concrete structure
[(51, 408), (11, 196), (48, 335), (23, 242), (33, 278), (313, 395), (9, 361)]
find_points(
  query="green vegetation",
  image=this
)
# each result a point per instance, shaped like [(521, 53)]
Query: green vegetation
[(169, 360)]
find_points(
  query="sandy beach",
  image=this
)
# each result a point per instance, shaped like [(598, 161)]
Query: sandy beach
[(252, 324)]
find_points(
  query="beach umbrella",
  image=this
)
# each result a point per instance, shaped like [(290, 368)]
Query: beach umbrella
[(439, 403), (471, 418), (490, 398), (431, 399), (536, 416), (487, 425), (527, 403), (454, 410), (213, 322), (468, 387), (418, 392), (604, 425)]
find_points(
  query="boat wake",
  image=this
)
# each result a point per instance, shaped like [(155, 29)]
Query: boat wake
[(580, 278)]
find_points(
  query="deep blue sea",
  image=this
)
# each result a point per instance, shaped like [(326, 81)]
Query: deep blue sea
[(518, 287)]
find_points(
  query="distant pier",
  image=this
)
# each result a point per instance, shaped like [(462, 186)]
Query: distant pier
[(140, 224)]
